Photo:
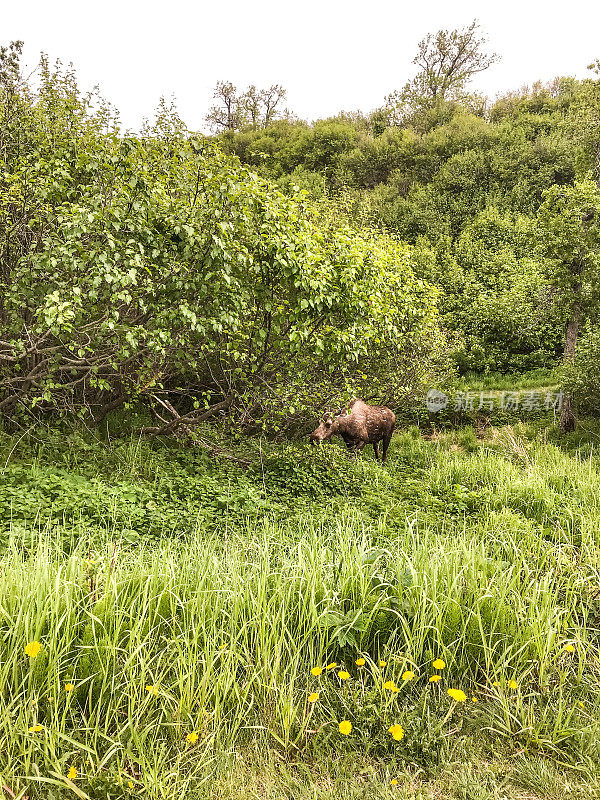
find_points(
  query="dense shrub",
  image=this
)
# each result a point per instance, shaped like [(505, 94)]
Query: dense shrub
[(156, 267)]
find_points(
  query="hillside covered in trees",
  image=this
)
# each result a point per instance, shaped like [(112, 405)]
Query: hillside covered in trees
[(461, 179)]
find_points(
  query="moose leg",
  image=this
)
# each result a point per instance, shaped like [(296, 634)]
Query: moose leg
[(386, 443), (376, 448), (355, 447)]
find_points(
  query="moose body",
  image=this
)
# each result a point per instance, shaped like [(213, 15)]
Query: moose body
[(358, 424)]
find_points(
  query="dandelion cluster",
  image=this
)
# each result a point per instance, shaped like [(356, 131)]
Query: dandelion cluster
[(396, 730)]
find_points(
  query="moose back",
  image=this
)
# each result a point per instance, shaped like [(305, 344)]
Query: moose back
[(358, 424)]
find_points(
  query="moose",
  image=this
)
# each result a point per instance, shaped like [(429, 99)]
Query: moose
[(358, 424)]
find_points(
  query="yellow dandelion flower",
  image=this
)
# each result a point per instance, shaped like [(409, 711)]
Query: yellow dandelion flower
[(312, 698), (69, 687), (343, 675), (382, 663), (192, 737), (333, 665), (435, 678), (474, 699), (458, 695), (360, 662), (397, 732), (394, 782), (36, 728), (391, 686), (496, 683), (72, 774), (130, 784), (439, 664), (345, 727), (408, 675), (222, 646), (32, 649), (568, 648), (512, 684), (152, 689), (580, 704), (316, 671)]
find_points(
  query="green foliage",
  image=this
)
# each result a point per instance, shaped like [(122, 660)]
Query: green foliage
[(569, 229), (581, 376), (141, 266), (432, 177)]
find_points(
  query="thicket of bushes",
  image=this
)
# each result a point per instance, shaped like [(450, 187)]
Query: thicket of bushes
[(156, 268), (465, 183)]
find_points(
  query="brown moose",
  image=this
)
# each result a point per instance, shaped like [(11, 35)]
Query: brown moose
[(358, 424)]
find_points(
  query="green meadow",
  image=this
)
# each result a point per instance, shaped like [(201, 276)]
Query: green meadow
[(182, 605)]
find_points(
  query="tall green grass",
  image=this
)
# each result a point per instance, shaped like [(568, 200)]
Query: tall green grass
[(485, 555)]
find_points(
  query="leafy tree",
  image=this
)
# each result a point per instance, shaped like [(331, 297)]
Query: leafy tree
[(236, 110), (157, 270), (584, 123), (447, 61), (228, 113), (270, 99), (569, 224)]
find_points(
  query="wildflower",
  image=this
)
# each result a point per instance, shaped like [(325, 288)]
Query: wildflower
[(192, 737), (382, 663), (360, 662), (394, 782), (345, 727), (130, 784), (439, 664), (222, 646), (458, 695), (72, 774), (312, 698), (435, 678), (152, 689), (580, 704), (333, 665), (36, 728), (391, 686), (316, 671), (474, 699), (569, 648), (512, 684), (397, 732), (343, 675), (32, 649), (408, 675), (69, 687), (496, 683)]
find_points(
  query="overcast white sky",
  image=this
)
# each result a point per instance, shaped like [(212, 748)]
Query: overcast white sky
[(330, 55)]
